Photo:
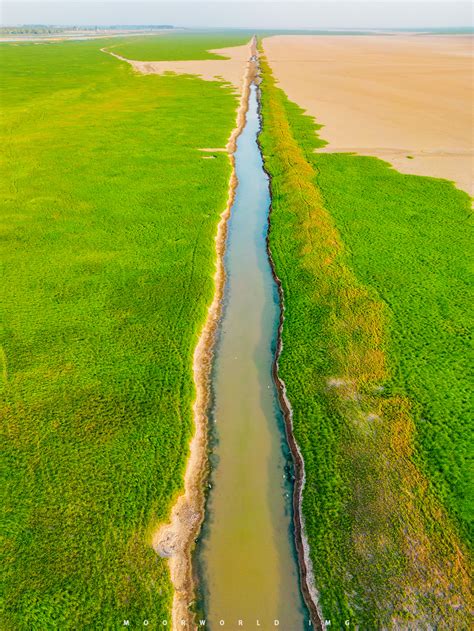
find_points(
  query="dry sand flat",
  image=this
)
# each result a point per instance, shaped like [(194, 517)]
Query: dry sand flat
[(230, 70), (389, 96)]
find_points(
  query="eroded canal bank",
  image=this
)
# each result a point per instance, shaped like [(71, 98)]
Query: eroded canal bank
[(175, 539), (246, 558)]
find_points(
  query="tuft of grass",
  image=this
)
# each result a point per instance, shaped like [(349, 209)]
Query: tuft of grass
[(108, 224), (375, 288)]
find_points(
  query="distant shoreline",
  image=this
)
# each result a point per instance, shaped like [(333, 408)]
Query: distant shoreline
[(70, 35), (70, 32)]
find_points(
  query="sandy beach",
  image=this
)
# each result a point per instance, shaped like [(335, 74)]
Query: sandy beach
[(390, 96)]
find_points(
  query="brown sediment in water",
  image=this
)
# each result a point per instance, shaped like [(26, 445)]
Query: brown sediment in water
[(175, 540)]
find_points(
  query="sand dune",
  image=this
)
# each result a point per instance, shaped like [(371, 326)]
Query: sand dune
[(389, 96)]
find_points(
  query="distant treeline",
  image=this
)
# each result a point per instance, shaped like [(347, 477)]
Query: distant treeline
[(43, 29)]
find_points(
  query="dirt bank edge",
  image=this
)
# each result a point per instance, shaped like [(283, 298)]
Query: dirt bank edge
[(175, 540)]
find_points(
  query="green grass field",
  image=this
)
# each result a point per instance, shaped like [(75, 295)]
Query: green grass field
[(375, 343), (108, 253), (172, 46)]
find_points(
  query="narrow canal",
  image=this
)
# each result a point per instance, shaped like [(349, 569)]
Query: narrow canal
[(246, 557)]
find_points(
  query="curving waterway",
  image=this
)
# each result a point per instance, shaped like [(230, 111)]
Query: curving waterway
[(246, 557)]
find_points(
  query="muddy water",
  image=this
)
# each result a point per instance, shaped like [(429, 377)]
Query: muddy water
[(246, 557)]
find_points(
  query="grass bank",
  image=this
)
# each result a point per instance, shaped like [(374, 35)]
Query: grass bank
[(374, 281), (108, 259)]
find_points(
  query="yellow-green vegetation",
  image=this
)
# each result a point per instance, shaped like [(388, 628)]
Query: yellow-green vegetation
[(108, 227), (373, 270), (170, 46)]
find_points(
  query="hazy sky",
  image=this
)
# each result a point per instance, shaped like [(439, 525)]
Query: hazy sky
[(262, 14)]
